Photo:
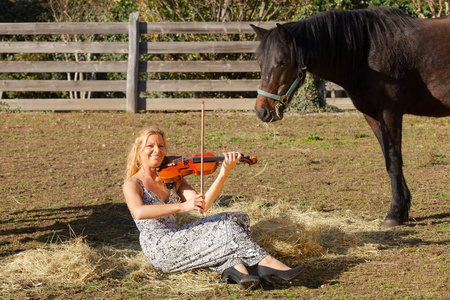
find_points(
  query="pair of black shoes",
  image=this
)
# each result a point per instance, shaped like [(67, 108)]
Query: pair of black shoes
[(265, 274)]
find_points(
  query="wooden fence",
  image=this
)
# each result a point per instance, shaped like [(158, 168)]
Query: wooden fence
[(132, 86)]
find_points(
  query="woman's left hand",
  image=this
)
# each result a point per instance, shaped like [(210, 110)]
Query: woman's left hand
[(230, 161)]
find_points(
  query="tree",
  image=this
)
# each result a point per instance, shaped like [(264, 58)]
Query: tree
[(435, 8), (79, 11), (216, 10), (208, 11), (62, 11)]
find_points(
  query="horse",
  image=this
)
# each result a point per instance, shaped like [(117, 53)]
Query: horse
[(389, 63)]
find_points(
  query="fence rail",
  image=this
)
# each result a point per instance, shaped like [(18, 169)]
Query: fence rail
[(132, 86)]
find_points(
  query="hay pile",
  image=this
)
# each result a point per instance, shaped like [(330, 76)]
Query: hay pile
[(285, 232), (70, 262), (76, 262)]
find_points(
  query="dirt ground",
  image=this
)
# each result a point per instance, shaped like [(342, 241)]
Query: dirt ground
[(61, 175)]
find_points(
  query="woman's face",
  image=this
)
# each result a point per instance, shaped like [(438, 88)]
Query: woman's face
[(154, 151)]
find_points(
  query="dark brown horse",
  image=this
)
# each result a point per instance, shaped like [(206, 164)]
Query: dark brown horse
[(389, 63)]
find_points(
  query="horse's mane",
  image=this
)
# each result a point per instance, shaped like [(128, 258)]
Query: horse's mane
[(331, 36)]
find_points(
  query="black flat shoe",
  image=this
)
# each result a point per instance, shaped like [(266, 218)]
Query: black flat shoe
[(244, 280), (266, 273)]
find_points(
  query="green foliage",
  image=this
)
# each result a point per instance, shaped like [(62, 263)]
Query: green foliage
[(207, 11), (316, 6), (91, 11), (310, 97), (215, 10), (405, 5), (63, 11), (120, 12)]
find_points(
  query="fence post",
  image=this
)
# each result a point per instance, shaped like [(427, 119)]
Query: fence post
[(133, 63)]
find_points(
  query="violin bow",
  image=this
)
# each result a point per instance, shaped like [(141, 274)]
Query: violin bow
[(202, 147)]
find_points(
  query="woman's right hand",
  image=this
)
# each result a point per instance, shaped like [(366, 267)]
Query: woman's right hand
[(195, 203)]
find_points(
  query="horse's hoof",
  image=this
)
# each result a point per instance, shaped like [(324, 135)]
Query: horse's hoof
[(389, 223)]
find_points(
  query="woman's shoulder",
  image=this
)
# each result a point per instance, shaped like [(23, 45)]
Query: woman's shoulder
[(132, 180), (132, 183)]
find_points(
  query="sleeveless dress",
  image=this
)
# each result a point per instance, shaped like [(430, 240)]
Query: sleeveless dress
[(217, 242)]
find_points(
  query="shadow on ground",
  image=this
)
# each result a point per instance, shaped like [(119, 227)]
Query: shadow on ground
[(108, 223), (111, 224)]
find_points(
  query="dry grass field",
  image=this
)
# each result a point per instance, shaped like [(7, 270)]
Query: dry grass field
[(317, 196)]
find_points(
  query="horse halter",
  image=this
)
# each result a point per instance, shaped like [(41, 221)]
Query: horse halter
[(284, 98)]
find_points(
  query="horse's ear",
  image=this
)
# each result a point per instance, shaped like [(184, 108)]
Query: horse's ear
[(284, 34), (260, 32)]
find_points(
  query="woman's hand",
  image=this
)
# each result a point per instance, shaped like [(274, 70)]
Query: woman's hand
[(195, 203), (200, 202), (230, 161)]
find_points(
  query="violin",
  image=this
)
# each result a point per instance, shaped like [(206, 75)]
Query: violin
[(173, 170)]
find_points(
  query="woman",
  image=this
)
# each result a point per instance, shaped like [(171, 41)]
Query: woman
[(221, 242)]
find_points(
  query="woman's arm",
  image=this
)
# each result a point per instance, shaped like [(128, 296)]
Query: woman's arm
[(133, 196), (185, 191), (214, 191)]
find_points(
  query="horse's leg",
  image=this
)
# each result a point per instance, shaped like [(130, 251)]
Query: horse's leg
[(388, 130)]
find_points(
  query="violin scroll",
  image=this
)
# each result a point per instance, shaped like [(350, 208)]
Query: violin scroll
[(251, 160)]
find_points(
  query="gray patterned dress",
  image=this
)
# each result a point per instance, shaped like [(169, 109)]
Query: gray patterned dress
[(218, 242)]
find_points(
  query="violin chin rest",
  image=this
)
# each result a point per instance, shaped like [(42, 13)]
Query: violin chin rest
[(169, 185)]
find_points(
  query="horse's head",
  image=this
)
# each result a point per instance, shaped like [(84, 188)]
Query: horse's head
[(281, 73)]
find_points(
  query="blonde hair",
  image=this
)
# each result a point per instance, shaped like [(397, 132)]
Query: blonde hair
[(134, 164)]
